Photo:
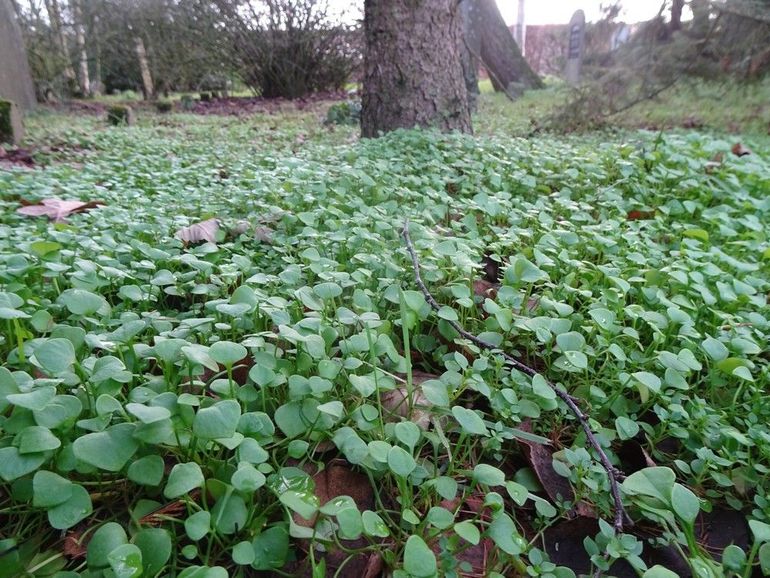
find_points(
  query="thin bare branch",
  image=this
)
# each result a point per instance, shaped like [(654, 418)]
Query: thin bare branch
[(621, 517)]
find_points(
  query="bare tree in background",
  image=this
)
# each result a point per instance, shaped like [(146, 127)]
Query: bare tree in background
[(80, 38), (498, 51), (144, 68), (60, 38)]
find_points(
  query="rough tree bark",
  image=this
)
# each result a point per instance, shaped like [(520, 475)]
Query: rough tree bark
[(470, 48), (60, 39), (80, 38), (15, 78), (413, 71), (500, 54)]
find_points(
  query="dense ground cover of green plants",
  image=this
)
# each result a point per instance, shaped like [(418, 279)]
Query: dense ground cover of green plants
[(188, 410)]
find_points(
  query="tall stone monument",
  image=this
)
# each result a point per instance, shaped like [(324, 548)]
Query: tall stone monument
[(16, 90), (577, 31), (15, 79)]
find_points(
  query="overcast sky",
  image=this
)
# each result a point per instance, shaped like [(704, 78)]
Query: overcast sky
[(541, 11)]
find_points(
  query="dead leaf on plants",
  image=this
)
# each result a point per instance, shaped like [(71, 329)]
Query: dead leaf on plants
[(264, 234), (740, 150), (540, 457), (637, 215), (476, 556), (335, 480), (485, 289), (198, 232), (16, 156), (170, 510), (396, 401), (75, 544), (56, 209)]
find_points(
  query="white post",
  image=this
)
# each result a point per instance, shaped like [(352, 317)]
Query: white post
[(521, 28)]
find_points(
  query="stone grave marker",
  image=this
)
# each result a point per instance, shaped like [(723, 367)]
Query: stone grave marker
[(577, 29)]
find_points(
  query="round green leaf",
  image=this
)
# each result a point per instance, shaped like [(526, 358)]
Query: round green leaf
[(109, 449), (55, 355), (488, 475), (104, 540), (469, 420), (374, 525), (626, 428), (247, 478), (14, 465), (271, 548), (686, 504), (419, 560), (468, 531), (198, 525), (227, 353), (243, 553), (34, 439), (50, 489), (75, 509), (407, 433), (182, 479), (36, 400), (577, 359), (147, 471), (400, 461), (147, 414), (126, 561), (82, 302), (217, 421), (156, 547)]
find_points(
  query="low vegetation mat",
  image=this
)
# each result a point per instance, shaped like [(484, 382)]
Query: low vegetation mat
[(217, 359)]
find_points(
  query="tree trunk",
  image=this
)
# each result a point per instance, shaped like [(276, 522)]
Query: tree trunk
[(15, 78), (413, 71), (500, 54), (97, 85), (470, 48), (60, 40), (676, 15), (80, 38), (144, 68)]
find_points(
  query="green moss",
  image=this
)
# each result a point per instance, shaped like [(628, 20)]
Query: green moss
[(187, 102), (164, 106), (6, 128), (119, 115)]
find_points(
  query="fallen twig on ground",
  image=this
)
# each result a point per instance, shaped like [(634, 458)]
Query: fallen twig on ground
[(621, 517)]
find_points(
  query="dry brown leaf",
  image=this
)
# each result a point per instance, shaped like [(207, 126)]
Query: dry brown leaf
[(640, 215), (739, 150), (374, 566), (540, 457), (335, 480), (74, 544), (483, 288), (170, 510), (56, 209), (240, 228), (396, 401), (264, 234), (472, 507), (197, 232)]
